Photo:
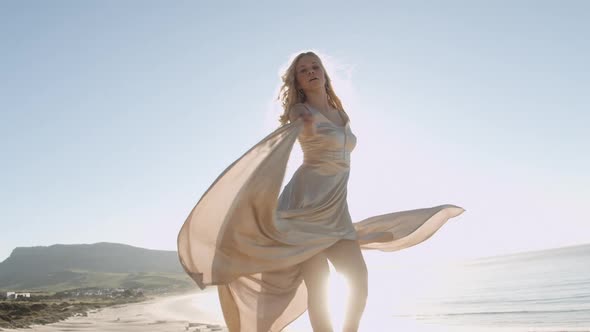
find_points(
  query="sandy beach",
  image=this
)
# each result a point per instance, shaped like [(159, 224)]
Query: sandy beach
[(160, 314), (200, 312), (195, 312)]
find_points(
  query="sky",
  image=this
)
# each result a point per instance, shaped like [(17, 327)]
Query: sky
[(115, 117)]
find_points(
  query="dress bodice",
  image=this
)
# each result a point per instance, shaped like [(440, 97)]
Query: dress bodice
[(331, 144)]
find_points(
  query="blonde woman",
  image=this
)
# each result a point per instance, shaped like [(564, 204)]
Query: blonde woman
[(268, 253), (307, 92)]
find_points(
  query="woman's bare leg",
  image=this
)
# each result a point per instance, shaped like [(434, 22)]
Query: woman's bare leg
[(347, 258), (316, 273)]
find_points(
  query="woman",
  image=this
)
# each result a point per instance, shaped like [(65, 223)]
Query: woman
[(327, 150), (269, 254)]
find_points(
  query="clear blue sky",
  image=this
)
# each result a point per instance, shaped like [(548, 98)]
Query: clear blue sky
[(116, 116)]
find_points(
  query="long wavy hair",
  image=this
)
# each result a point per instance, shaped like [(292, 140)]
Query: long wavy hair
[(290, 95)]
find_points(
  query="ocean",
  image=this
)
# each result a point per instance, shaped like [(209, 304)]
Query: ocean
[(538, 291)]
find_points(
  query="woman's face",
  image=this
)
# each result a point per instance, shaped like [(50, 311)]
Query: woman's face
[(309, 73)]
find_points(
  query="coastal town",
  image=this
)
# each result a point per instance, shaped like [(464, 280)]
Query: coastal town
[(75, 293)]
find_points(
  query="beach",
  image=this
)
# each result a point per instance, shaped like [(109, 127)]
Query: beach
[(195, 312), (200, 312), (158, 314)]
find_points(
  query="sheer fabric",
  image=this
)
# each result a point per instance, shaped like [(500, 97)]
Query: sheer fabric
[(249, 241)]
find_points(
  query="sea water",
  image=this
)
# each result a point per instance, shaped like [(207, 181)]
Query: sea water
[(537, 291)]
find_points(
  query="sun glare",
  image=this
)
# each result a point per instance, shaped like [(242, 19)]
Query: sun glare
[(337, 297)]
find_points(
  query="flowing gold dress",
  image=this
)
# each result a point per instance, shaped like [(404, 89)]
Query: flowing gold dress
[(249, 241)]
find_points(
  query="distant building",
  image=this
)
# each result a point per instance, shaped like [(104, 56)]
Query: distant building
[(15, 295)]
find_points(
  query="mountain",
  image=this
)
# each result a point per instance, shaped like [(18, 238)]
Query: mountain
[(109, 265)]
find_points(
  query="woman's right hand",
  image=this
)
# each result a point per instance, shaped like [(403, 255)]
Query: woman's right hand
[(306, 116), (300, 111)]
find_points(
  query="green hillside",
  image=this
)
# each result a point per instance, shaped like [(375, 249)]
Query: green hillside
[(103, 265)]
